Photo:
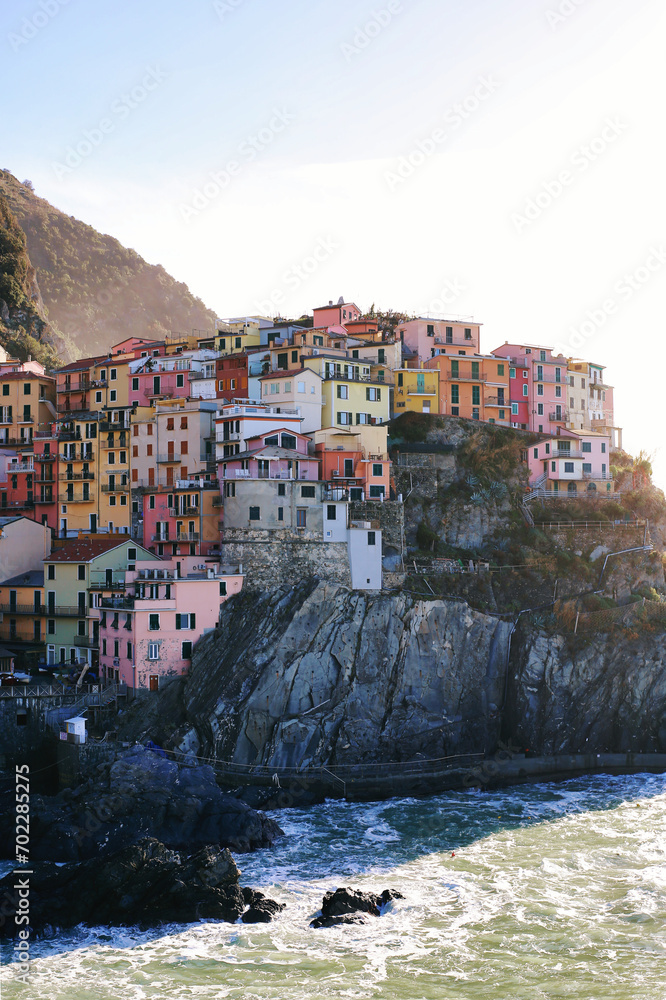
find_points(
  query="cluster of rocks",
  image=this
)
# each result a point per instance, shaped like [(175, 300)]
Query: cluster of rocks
[(140, 794), (144, 884), (348, 906)]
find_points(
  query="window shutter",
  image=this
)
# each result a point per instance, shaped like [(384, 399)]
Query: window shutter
[(177, 621), (193, 619)]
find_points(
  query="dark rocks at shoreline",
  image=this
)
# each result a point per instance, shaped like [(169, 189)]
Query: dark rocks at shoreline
[(146, 884), (140, 794), (347, 906)]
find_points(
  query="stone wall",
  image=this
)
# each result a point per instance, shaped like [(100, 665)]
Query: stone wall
[(269, 562), (424, 481), (390, 514)]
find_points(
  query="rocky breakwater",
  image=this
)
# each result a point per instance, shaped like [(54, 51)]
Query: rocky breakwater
[(140, 794), (595, 693), (319, 675), (145, 884)]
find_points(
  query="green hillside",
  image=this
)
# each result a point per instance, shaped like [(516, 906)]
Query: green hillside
[(96, 291)]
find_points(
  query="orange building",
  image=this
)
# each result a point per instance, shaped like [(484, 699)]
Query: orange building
[(474, 387)]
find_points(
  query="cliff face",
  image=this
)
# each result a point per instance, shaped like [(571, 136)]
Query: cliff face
[(609, 694), (320, 674)]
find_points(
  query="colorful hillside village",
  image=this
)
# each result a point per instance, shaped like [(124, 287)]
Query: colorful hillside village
[(141, 489)]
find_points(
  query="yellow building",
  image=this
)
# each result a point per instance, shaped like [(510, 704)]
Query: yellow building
[(78, 476), (350, 395), (230, 338), (416, 390), (475, 387), (23, 613)]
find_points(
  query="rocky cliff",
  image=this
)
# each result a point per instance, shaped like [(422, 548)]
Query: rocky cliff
[(320, 675)]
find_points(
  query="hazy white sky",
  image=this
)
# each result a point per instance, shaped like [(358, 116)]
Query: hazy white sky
[(503, 159)]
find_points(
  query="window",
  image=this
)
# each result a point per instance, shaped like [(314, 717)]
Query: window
[(586, 446), (603, 447), (154, 623), (153, 650), (373, 394), (280, 514), (371, 538), (514, 409), (187, 621), (255, 513), (558, 391), (223, 588), (331, 512), (476, 395), (51, 573), (454, 411), (308, 491), (455, 369), (536, 452), (51, 626), (81, 573), (301, 517), (582, 383), (400, 377), (113, 374), (377, 469), (186, 650), (525, 374), (300, 386), (540, 409), (539, 390), (5, 389), (113, 395), (587, 467), (344, 417), (500, 371), (98, 397), (151, 502), (135, 385), (343, 392), (568, 466), (524, 390), (547, 449), (282, 490), (542, 355), (468, 334), (455, 394), (180, 381)]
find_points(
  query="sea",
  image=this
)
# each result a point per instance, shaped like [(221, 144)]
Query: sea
[(554, 890)]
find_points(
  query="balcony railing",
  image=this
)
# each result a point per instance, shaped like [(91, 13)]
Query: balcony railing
[(75, 498), (44, 457), (170, 457), (114, 425), (65, 476), (116, 487), (84, 456), (17, 505), (161, 538), (67, 611), (91, 642), (23, 609), (45, 498), (122, 442), (24, 419), (425, 390), (116, 604), (187, 536), (496, 401), (558, 453), (562, 415), (467, 378), (100, 581), (21, 467), (79, 385)]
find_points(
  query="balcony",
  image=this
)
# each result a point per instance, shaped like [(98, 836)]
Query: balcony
[(117, 604), (113, 425), (467, 378), (110, 442), (25, 419), (91, 642), (558, 453), (457, 342), (69, 435), (167, 459), (78, 385), (16, 505), (496, 401), (562, 417), (187, 536), (46, 498), (21, 467), (65, 476), (218, 501), (44, 457), (161, 538), (84, 456), (428, 390), (75, 498), (23, 609), (67, 611), (123, 487)]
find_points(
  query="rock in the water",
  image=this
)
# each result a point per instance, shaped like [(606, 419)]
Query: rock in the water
[(344, 906), (145, 884), (141, 794)]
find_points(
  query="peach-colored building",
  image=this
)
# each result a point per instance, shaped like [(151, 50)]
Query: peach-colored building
[(147, 636), (355, 461)]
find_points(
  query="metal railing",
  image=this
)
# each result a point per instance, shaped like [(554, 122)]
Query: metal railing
[(116, 487), (170, 457), (64, 476), (23, 609)]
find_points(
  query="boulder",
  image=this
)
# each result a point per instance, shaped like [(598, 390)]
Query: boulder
[(345, 906), (146, 884)]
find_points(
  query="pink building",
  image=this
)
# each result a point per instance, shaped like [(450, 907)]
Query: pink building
[(335, 314), (277, 454), (147, 636), (572, 462), (543, 382), (182, 519), (242, 421), (427, 337)]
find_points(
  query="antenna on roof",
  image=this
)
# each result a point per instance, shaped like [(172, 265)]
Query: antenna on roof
[(341, 301)]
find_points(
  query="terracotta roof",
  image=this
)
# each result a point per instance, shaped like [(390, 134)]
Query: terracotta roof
[(4, 376), (85, 549), (81, 365)]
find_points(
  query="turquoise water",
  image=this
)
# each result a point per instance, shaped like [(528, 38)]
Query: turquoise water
[(555, 891)]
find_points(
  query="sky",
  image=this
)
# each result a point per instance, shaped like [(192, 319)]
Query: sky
[(496, 159)]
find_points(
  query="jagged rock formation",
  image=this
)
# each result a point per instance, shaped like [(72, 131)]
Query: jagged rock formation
[(139, 794), (319, 674), (144, 884)]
